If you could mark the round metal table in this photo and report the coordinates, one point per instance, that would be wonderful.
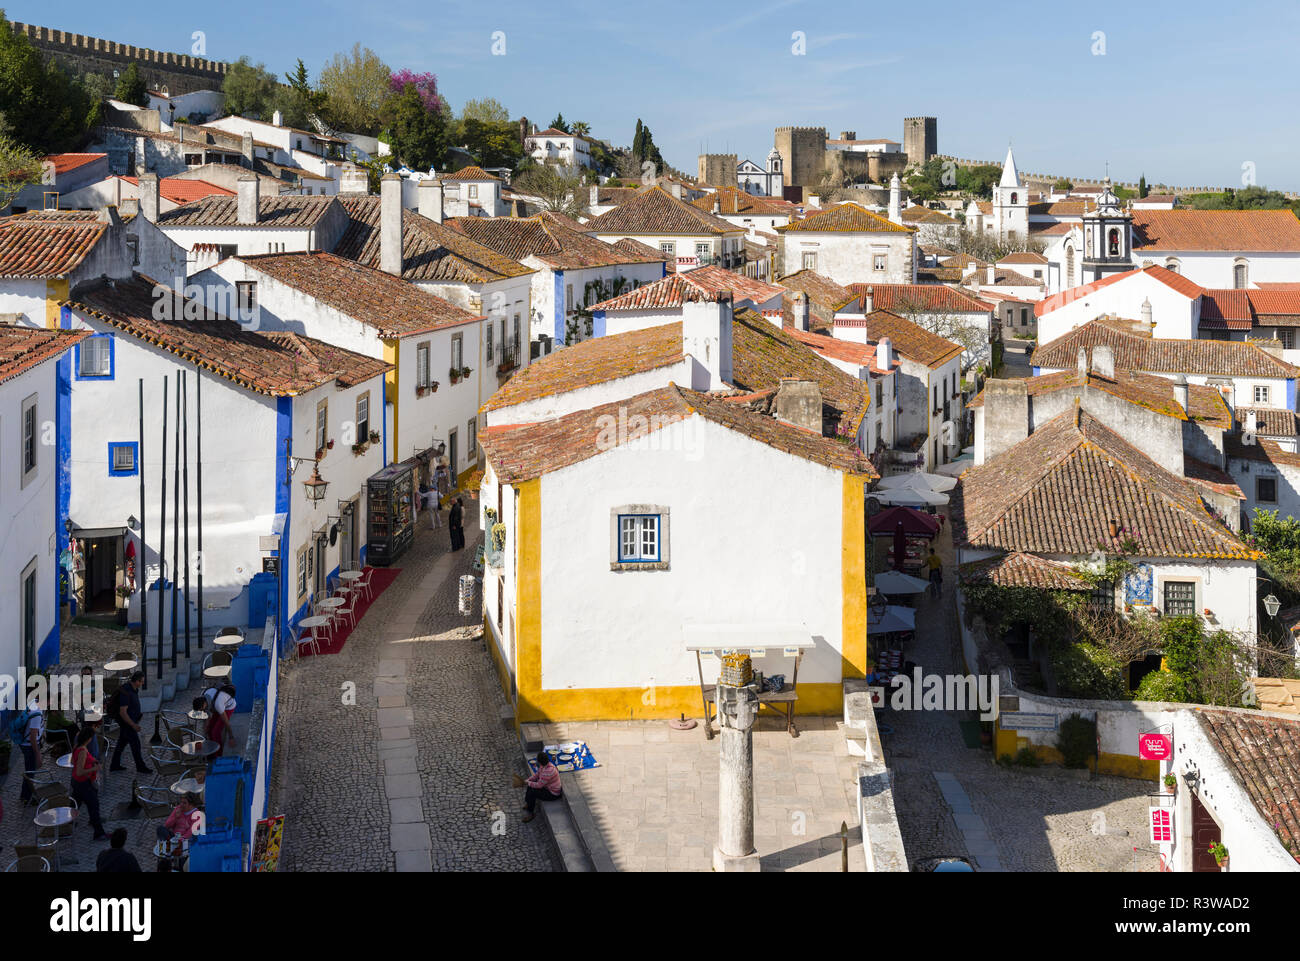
(330, 603)
(217, 671)
(118, 667)
(55, 817)
(197, 717)
(65, 760)
(224, 641)
(188, 785)
(204, 748)
(350, 575)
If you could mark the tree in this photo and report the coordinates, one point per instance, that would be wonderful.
(1063, 185)
(486, 110)
(44, 107)
(559, 124)
(300, 101)
(643, 146)
(556, 191)
(580, 127)
(417, 134)
(1142, 186)
(249, 90)
(357, 84)
(978, 181)
(492, 144)
(19, 167)
(131, 87)
(425, 83)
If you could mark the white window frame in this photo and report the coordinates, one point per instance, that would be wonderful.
(363, 436)
(809, 260)
(29, 438)
(640, 537)
(98, 347)
(423, 352)
(322, 423)
(1261, 394)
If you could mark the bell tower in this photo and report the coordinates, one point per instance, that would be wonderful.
(1107, 238)
(1010, 203)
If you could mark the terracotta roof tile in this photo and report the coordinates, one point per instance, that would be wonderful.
(655, 211)
(1270, 421)
(1231, 230)
(1023, 570)
(275, 363)
(1263, 755)
(920, 298)
(733, 202)
(1058, 491)
(223, 211)
(471, 173)
(22, 348)
(64, 162)
(522, 452)
(430, 251)
(183, 191)
(1211, 477)
(912, 341)
(847, 217)
(553, 244)
(389, 304)
(693, 286)
(924, 215)
(46, 246)
(1133, 351)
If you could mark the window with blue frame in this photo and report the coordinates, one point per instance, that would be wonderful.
(638, 538)
(94, 357)
(123, 459)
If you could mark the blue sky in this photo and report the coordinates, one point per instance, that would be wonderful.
(1186, 92)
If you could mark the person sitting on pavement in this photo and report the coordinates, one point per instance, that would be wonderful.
(542, 786)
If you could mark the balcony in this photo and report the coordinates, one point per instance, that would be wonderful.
(508, 365)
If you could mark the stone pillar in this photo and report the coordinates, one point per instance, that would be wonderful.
(737, 710)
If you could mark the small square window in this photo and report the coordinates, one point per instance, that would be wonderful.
(668, 249)
(1261, 394)
(879, 261)
(95, 356)
(122, 459)
(1180, 598)
(638, 540)
(1266, 490)
(247, 299)
(809, 260)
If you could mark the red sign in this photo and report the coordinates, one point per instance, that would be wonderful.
(1162, 825)
(1155, 747)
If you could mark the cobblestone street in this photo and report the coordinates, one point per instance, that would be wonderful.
(1037, 820)
(414, 773)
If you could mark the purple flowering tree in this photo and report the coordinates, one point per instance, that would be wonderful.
(425, 83)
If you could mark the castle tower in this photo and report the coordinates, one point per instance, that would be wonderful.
(920, 139)
(1107, 238)
(804, 152)
(1010, 203)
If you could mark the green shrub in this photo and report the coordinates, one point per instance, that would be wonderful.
(1089, 671)
(1161, 686)
(1077, 740)
(1026, 757)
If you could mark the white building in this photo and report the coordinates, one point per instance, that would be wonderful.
(121, 191)
(470, 192)
(269, 401)
(765, 181)
(34, 488)
(849, 244)
(666, 300)
(557, 147)
(686, 235)
(61, 173)
(945, 311)
(1007, 216)
(757, 215)
(609, 554)
(196, 106)
(370, 312)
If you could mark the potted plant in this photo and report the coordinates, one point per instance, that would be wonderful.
(124, 598)
(1171, 783)
(359, 447)
(374, 437)
(465, 372)
(1220, 853)
(454, 375)
(329, 444)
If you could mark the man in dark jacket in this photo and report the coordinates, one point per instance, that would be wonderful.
(130, 712)
(116, 859)
(456, 525)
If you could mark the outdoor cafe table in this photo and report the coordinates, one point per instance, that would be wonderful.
(65, 760)
(55, 817)
(350, 575)
(204, 748)
(197, 717)
(122, 665)
(228, 640)
(757, 641)
(312, 623)
(187, 785)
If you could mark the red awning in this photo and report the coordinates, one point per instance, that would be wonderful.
(915, 523)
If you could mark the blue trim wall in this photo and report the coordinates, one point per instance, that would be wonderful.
(135, 458)
(283, 435)
(1290, 393)
(49, 651)
(558, 311)
(597, 323)
(112, 359)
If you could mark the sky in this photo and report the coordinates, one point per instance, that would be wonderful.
(1188, 93)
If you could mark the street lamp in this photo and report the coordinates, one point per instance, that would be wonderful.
(315, 485)
(1272, 605)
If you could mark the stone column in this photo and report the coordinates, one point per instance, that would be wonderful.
(737, 709)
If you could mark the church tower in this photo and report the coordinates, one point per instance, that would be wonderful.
(1107, 238)
(775, 179)
(1010, 203)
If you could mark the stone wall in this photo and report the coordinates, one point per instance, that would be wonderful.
(179, 73)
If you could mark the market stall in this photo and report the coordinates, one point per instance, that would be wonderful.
(780, 646)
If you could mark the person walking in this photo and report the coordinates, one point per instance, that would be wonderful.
(456, 525)
(435, 509)
(85, 772)
(935, 565)
(28, 729)
(129, 713)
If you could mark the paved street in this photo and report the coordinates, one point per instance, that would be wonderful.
(396, 754)
(1040, 820)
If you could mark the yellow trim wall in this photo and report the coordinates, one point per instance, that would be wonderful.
(536, 703)
(392, 380)
(56, 291)
(853, 579)
(1121, 765)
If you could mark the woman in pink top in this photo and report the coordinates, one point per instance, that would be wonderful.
(542, 786)
(180, 823)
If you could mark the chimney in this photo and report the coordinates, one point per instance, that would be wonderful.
(1146, 316)
(1251, 422)
(717, 206)
(706, 336)
(1103, 361)
(895, 199)
(353, 180)
(884, 353)
(676, 190)
(1082, 366)
(799, 402)
(108, 215)
(593, 197)
(1006, 416)
(1181, 391)
(800, 311)
(277, 119)
(390, 224)
(149, 197)
(430, 199)
(868, 300)
(247, 202)
(246, 148)
(128, 206)
(992, 274)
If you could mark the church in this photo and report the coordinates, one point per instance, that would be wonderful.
(753, 179)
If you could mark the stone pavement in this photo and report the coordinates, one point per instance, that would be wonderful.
(396, 753)
(654, 798)
(1045, 819)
